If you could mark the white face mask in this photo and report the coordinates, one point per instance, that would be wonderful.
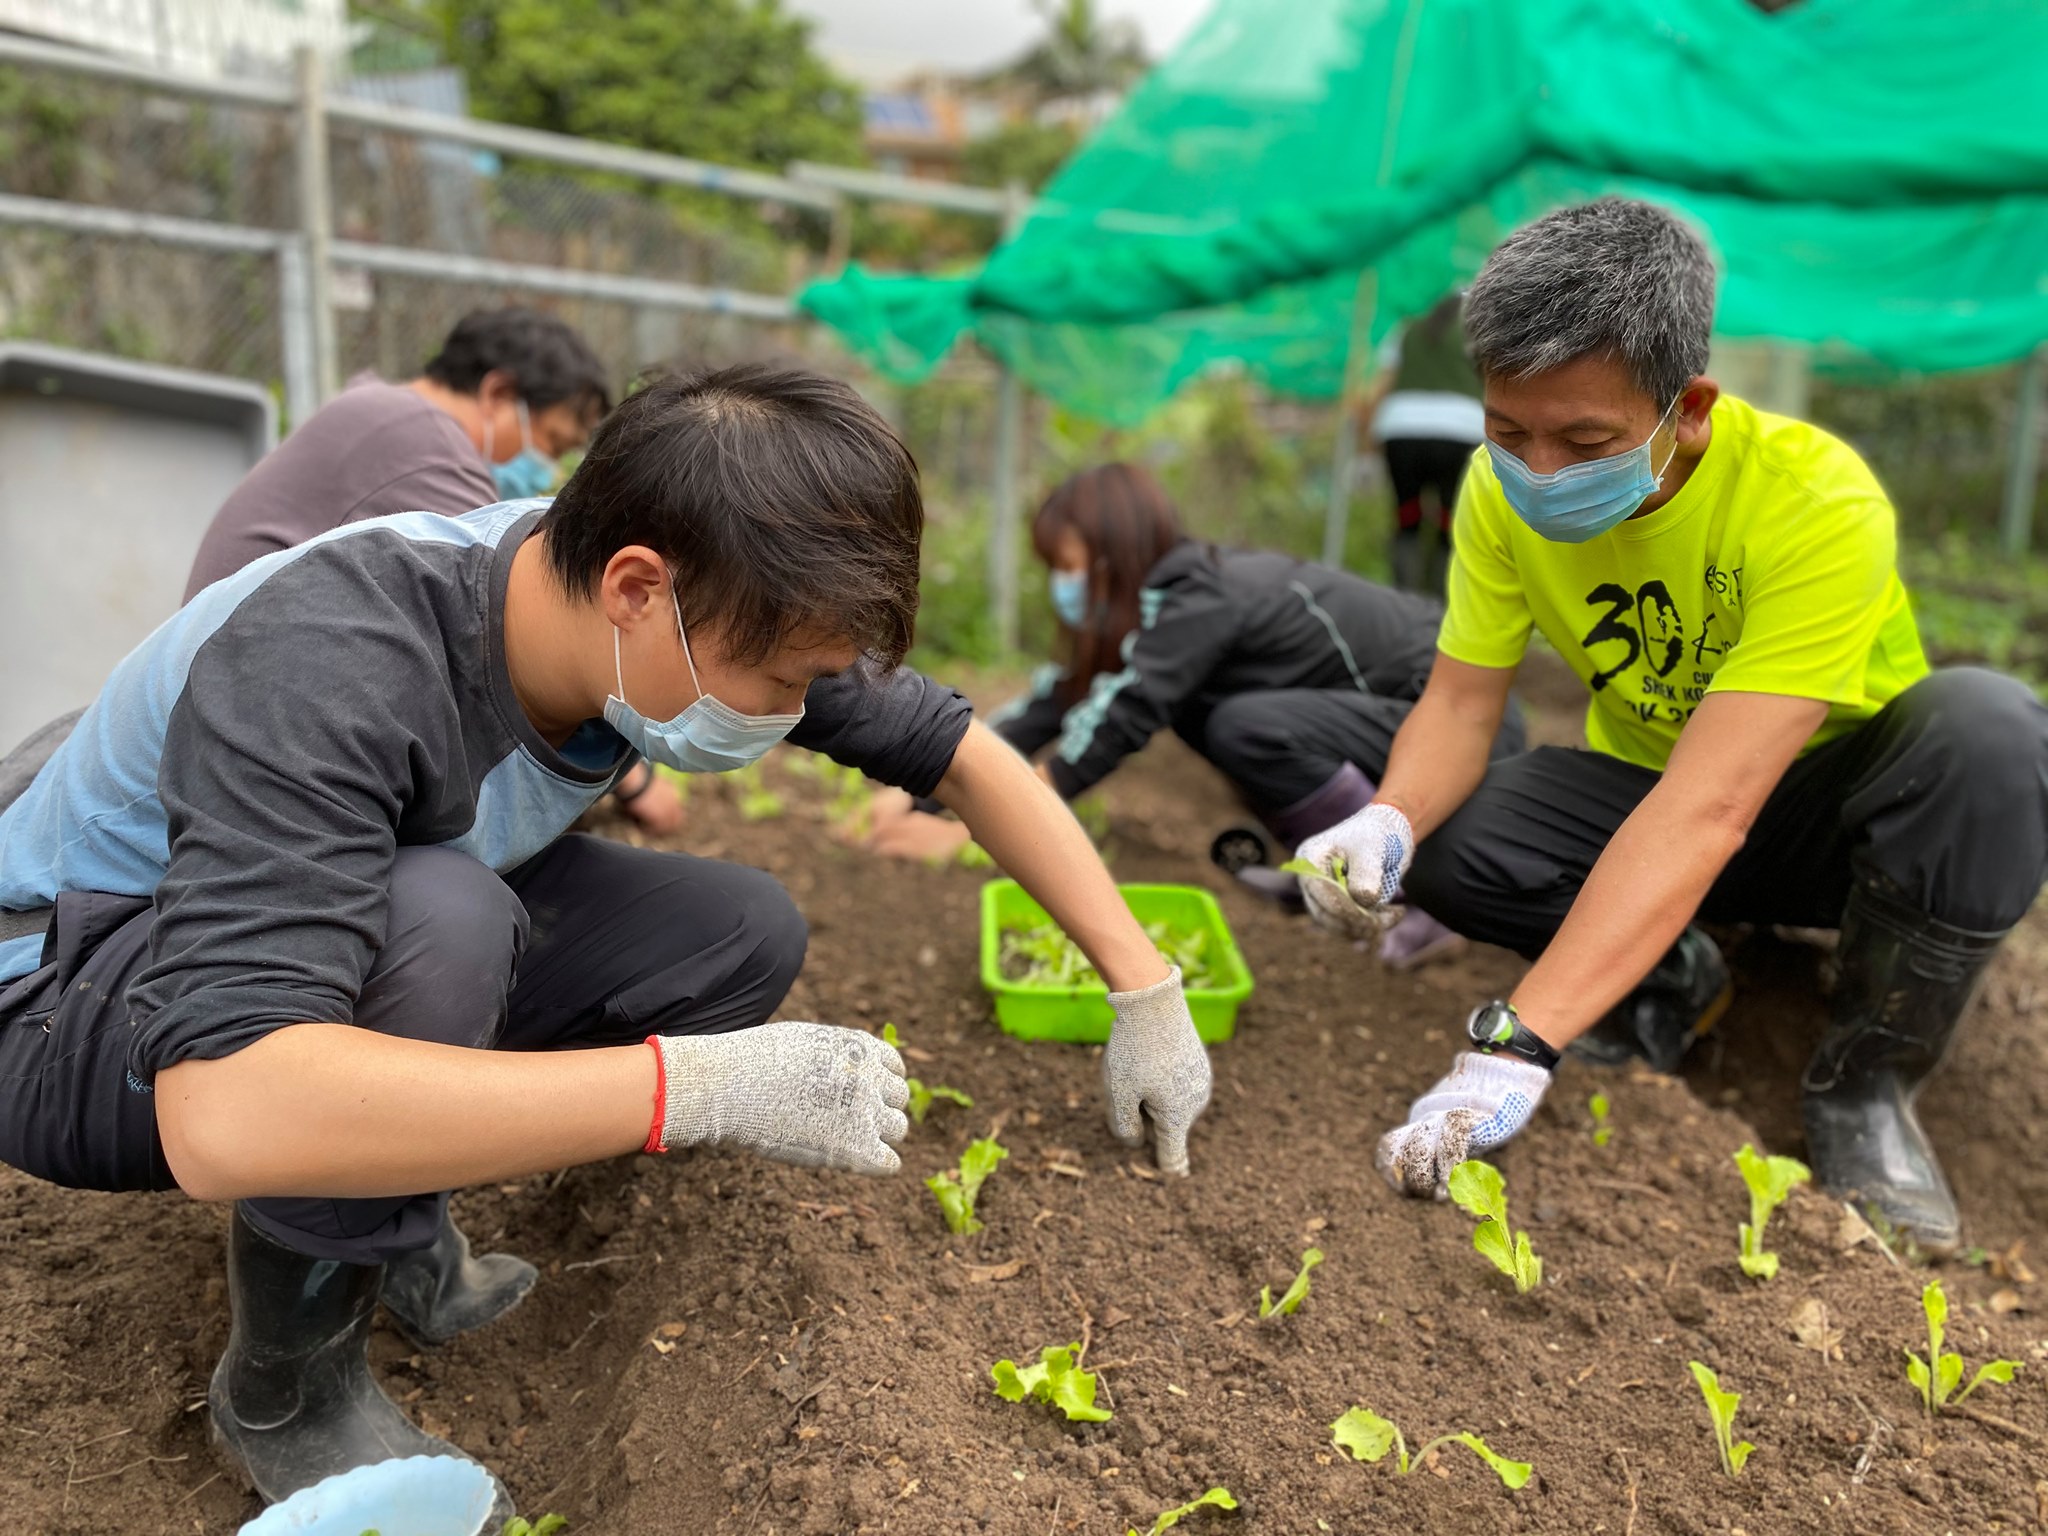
(707, 737)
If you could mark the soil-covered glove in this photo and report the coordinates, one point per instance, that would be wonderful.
(1364, 857)
(1155, 1059)
(811, 1094)
(1484, 1101)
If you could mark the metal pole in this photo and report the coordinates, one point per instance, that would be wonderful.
(296, 342)
(316, 219)
(1002, 533)
(2022, 469)
(1337, 517)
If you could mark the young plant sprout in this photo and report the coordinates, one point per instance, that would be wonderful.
(1334, 875)
(1296, 1294)
(1480, 1190)
(1057, 1379)
(1219, 1498)
(852, 805)
(1368, 1437)
(1597, 1107)
(546, 1525)
(973, 856)
(921, 1097)
(1721, 1408)
(1936, 1376)
(1770, 1180)
(757, 801)
(1043, 956)
(956, 1196)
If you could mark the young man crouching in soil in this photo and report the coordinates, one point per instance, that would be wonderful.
(290, 918)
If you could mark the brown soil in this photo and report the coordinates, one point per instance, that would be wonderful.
(831, 1371)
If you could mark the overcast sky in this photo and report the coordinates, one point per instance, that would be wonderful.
(880, 39)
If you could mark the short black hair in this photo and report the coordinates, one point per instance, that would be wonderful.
(549, 362)
(779, 498)
(1615, 276)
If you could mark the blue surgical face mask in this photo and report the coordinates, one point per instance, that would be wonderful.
(1069, 591)
(1582, 501)
(529, 472)
(707, 737)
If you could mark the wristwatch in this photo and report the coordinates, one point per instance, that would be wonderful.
(1497, 1030)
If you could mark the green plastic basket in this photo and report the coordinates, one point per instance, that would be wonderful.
(1083, 1013)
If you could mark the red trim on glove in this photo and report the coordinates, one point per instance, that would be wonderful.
(660, 1097)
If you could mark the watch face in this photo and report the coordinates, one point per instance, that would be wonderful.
(1503, 1028)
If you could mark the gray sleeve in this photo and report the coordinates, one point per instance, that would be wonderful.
(283, 800)
(898, 728)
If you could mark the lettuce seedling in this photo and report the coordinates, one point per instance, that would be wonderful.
(757, 801)
(1057, 1379)
(1936, 1376)
(546, 1525)
(1297, 1293)
(956, 1195)
(1334, 875)
(1597, 1107)
(1770, 1180)
(1721, 1408)
(1043, 956)
(1220, 1498)
(1368, 1437)
(1479, 1189)
(921, 1097)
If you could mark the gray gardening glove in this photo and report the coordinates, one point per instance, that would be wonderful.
(811, 1094)
(1479, 1104)
(1374, 848)
(1155, 1059)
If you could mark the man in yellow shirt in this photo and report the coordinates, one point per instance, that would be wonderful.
(1768, 744)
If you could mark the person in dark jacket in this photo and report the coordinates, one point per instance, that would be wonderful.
(1291, 678)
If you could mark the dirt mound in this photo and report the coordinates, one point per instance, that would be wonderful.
(723, 1346)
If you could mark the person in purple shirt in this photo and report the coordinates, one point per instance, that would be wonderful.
(510, 392)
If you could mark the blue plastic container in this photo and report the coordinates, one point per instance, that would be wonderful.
(409, 1496)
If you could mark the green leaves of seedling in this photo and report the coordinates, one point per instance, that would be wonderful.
(1938, 1375)
(757, 801)
(956, 1195)
(1478, 1188)
(1597, 1107)
(547, 1525)
(1297, 1293)
(1368, 1437)
(1043, 956)
(1770, 1180)
(1721, 1408)
(921, 1097)
(1220, 1498)
(1056, 1379)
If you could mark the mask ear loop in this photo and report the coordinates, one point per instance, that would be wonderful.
(682, 634)
(1658, 475)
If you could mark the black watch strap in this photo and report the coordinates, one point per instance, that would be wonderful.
(1497, 1030)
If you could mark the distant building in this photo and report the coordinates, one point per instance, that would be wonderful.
(922, 126)
(194, 37)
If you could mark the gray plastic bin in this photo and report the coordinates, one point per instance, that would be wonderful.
(109, 473)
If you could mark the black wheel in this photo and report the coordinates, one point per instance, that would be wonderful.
(1237, 848)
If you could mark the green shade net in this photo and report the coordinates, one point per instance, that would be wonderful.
(1873, 175)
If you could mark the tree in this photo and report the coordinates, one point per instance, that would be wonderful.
(730, 81)
(1080, 54)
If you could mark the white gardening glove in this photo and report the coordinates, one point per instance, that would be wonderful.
(1374, 848)
(1155, 1059)
(1484, 1101)
(811, 1094)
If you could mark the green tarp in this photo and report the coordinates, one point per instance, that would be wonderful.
(1873, 175)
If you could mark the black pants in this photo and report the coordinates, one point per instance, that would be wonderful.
(1945, 791)
(591, 943)
(1281, 746)
(1424, 470)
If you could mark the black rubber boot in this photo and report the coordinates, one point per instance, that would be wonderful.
(1669, 1010)
(293, 1400)
(439, 1292)
(1906, 980)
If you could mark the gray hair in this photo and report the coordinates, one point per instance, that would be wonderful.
(1615, 276)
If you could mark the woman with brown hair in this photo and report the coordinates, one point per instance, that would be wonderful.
(1290, 677)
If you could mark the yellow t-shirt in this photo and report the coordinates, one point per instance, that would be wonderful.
(1771, 571)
